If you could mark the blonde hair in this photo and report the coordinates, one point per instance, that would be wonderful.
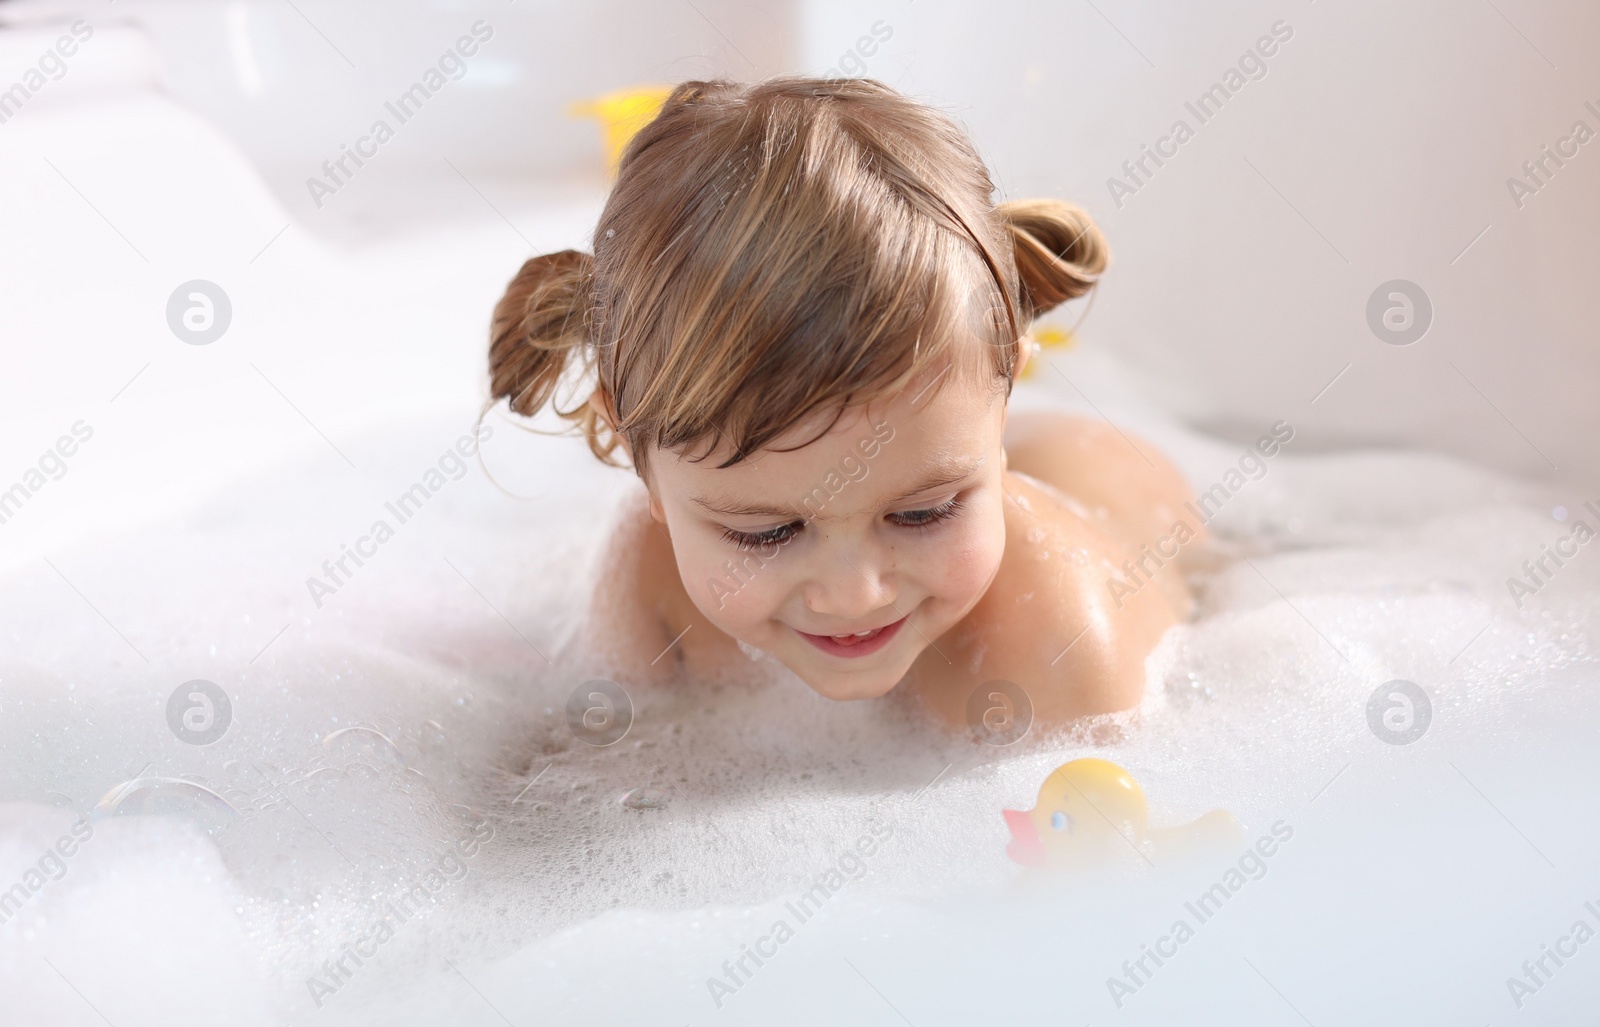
(778, 250)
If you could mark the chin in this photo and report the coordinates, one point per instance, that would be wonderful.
(829, 681)
(843, 688)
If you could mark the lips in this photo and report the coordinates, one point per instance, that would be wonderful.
(854, 645)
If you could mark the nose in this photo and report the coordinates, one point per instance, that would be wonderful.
(851, 586)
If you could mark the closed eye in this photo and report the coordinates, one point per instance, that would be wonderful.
(920, 520)
(747, 541)
(917, 520)
(929, 517)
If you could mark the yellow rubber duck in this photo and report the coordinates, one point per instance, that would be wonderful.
(621, 114)
(1091, 811)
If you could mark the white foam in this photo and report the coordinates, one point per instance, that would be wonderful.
(167, 566)
(433, 649)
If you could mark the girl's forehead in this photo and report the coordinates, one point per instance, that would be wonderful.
(929, 401)
(907, 436)
(957, 386)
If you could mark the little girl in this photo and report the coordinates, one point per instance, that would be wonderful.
(801, 325)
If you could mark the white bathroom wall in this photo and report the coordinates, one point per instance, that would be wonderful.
(293, 82)
(1377, 146)
(294, 85)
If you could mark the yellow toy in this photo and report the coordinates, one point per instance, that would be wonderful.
(621, 114)
(1091, 812)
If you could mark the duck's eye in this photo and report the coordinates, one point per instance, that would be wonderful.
(1060, 821)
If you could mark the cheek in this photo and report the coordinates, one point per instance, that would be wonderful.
(961, 566)
(733, 590)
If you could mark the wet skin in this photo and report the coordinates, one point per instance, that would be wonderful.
(987, 546)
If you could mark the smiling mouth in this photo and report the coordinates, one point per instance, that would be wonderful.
(854, 645)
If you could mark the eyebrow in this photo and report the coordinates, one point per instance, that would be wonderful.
(943, 473)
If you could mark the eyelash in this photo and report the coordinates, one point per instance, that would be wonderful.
(748, 542)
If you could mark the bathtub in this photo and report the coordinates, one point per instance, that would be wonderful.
(399, 824)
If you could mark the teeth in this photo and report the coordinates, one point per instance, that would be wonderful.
(864, 634)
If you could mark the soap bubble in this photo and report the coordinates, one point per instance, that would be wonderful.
(364, 745)
(168, 796)
(644, 798)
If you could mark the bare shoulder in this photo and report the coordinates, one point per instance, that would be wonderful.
(1122, 483)
(628, 610)
(641, 615)
(1050, 622)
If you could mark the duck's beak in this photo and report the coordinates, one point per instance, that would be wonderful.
(1025, 847)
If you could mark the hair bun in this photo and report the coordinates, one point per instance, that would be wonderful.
(1060, 253)
(540, 320)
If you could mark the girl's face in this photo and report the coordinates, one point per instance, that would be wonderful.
(847, 557)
